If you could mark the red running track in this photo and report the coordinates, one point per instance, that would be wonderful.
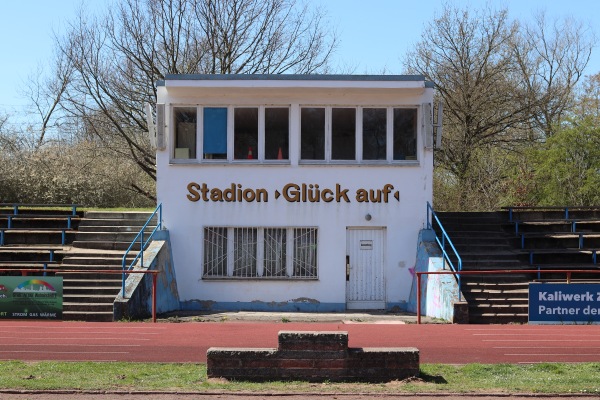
(188, 342)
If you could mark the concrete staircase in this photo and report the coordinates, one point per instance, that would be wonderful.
(99, 245)
(484, 244)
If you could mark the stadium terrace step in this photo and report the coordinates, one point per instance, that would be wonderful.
(43, 222)
(70, 314)
(36, 236)
(71, 296)
(490, 242)
(108, 245)
(99, 245)
(41, 238)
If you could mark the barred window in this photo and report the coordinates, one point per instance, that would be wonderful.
(264, 253)
(275, 252)
(215, 251)
(305, 252)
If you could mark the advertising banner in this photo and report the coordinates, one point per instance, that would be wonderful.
(564, 303)
(31, 297)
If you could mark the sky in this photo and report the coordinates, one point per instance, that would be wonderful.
(374, 34)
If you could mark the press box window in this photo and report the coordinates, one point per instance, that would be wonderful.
(245, 134)
(277, 133)
(185, 132)
(215, 133)
(405, 134)
(343, 134)
(374, 134)
(312, 133)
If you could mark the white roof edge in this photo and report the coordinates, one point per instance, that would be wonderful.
(295, 81)
(296, 84)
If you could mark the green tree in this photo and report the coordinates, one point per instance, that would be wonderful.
(567, 166)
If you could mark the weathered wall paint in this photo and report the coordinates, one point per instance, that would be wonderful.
(438, 292)
(138, 287)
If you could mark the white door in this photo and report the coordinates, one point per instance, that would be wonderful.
(365, 280)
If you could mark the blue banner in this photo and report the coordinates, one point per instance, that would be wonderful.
(564, 303)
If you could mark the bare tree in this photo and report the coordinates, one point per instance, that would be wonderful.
(45, 93)
(117, 59)
(468, 56)
(552, 56)
(501, 83)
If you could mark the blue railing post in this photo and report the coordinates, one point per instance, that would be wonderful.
(159, 225)
(142, 248)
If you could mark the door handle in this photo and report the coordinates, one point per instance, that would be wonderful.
(347, 268)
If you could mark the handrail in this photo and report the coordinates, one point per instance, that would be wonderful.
(442, 243)
(143, 244)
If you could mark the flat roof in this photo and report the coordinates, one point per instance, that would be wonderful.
(250, 80)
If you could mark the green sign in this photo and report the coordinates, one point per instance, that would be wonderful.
(31, 297)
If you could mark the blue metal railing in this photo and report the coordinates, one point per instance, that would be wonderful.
(143, 244)
(442, 241)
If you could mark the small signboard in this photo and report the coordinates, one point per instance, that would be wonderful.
(31, 297)
(366, 245)
(564, 303)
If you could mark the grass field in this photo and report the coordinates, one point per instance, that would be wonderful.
(435, 378)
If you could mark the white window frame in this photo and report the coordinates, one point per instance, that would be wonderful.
(261, 159)
(359, 134)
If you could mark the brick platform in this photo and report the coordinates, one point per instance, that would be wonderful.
(313, 356)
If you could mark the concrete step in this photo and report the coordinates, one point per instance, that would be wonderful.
(558, 241)
(106, 236)
(106, 245)
(113, 222)
(41, 209)
(489, 255)
(39, 223)
(123, 215)
(96, 297)
(556, 256)
(96, 316)
(481, 248)
(555, 215)
(482, 317)
(91, 261)
(496, 287)
(38, 237)
(88, 306)
(81, 283)
(117, 228)
(474, 264)
(25, 255)
(88, 275)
